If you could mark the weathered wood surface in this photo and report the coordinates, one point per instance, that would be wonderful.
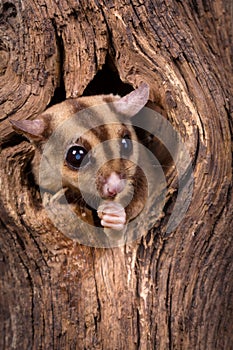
(163, 292)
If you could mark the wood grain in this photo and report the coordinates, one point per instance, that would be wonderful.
(161, 291)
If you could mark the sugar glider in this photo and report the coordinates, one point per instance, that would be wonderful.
(115, 179)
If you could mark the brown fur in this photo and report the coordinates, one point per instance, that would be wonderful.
(40, 130)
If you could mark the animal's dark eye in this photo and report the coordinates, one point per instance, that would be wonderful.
(75, 157)
(126, 146)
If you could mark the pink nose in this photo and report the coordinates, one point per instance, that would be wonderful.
(112, 192)
(113, 185)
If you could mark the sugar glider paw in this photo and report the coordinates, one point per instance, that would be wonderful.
(112, 216)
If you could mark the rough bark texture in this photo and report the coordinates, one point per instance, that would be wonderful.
(160, 292)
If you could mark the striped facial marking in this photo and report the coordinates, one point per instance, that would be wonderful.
(100, 160)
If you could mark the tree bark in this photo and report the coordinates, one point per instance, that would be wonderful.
(161, 291)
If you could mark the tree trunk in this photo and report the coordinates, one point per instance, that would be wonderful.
(164, 290)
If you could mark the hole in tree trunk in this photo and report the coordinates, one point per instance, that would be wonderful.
(107, 81)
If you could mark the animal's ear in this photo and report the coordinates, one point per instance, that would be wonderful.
(34, 130)
(132, 103)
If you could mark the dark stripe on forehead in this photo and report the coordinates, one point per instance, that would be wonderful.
(102, 132)
(95, 136)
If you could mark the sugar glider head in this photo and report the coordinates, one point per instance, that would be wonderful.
(88, 144)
